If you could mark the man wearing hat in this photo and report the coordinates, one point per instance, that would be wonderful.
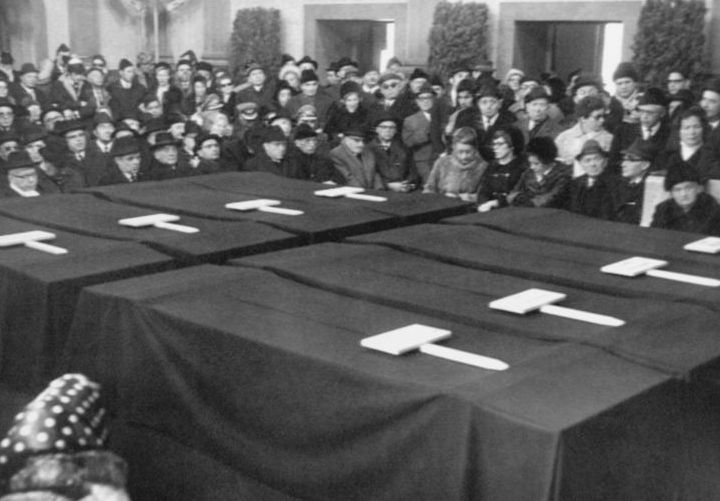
(260, 90)
(21, 175)
(103, 128)
(124, 164)
(591, 193)
(166, 162)
(421, 132)
(355, 162)
(89, 163)
(591, 117)
(622, 104)
(689, 209)
(127, 93)
(536, 120)
(7, 72)
(309, 94)
(394, 100)
(393, 161)
(651, 127)
(308, 163)
(53, 176)
(72, 89)
(628, 191)
(485, 117)
(273, 157)
(26, 86)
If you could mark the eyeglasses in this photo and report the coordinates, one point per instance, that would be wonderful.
(389, 85)
(6, 114)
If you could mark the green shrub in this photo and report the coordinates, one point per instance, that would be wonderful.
(255, 38)
(458, 36)
(671, 34)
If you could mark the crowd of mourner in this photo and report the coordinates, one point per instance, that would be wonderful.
(526, 140)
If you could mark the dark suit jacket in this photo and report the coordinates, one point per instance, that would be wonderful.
(112, 175)
(394, 164)
(595, 201)
(91, 168)
(19, 93)
(626, 134)
(357, 171)
(63, 93)
(547, 128)
(124, 101)
(471, 117)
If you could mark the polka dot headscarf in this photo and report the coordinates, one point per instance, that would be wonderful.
(66, 417)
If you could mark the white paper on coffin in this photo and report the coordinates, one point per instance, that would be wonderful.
(543, 301)
(34, 240)
(164, 221)
(249, 205)
(404, 339)
(420, 337)
(341, 191)
(634, 266)
(709, 245)
(367, 198)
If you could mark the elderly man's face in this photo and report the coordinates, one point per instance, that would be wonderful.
(256, 77)
(593, 164)
(29, 79)
(275, 150)
(167, 154)
(386, 130)
(391, 89)
(24, 179)
(209, 150)
(104, 131)
(650, 115)
(128, 164)
(8, 147)
(633, 166)
(355, 144)
(76, 141)
(7, 116)
(33, 149)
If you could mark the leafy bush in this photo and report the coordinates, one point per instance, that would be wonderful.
(458, 36)
(255, 38)
(671, 34)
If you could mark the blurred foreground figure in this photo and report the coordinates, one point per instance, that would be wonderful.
(55, 449)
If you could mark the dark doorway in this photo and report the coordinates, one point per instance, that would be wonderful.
(363, 41)
(559, 47)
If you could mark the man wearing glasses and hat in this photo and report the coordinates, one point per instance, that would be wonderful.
(355, 162)
(166, 162)
(394, 101)
(628, 191)
(125, 164)
(21, 174)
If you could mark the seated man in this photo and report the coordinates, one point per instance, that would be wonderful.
(22, 178)
(53, 177)
(166, 163)
(628, 191)
(689, 208)
(125, 165)
(393, 161)
(355, 162)
(273, 156)
(591, 193)
(309, 164)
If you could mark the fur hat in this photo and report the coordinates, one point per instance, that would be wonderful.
(681, 172)
(308, 76)
(542, 147)
(626, 70)
(273, 134)
(350, 87)
(304, 131)
(124, 63)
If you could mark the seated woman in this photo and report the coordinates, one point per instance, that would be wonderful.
(458, 174)
(504, 171)
(690, 146)
(546, 182)
(689, 208)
